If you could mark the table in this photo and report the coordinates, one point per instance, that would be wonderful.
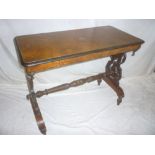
(40, 52)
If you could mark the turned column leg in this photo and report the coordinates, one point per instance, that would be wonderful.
(34, 104)
(114, 73)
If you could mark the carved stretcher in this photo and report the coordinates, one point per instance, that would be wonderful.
(40, 52)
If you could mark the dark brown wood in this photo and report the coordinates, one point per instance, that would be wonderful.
(34, 104)
(114, 74)
(69, 85)
(40, 52)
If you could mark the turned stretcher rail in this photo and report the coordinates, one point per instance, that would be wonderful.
(75, 83)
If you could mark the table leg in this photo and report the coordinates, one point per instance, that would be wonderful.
(34, 104)
(114, 74)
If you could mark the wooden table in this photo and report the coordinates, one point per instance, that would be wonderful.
(40, 52)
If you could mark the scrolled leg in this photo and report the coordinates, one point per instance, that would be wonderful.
(114, 74)
(34, 104)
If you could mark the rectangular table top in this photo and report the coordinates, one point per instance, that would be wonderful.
(57, 46)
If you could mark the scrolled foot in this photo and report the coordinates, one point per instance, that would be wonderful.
(42, 127)
(38, 116)
(120, 95)
(119, 100)
(43, 131)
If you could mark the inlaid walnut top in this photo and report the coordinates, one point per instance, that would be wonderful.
(55, 46)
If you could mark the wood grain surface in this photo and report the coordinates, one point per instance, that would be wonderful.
(39, 52)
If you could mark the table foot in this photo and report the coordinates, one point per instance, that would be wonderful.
(34, 104)
(119, 100)
(37, 114)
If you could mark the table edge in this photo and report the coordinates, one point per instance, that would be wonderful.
(33, 63)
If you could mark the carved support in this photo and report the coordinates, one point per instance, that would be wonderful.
(34, 104)
(75, 83)
(114, 74)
